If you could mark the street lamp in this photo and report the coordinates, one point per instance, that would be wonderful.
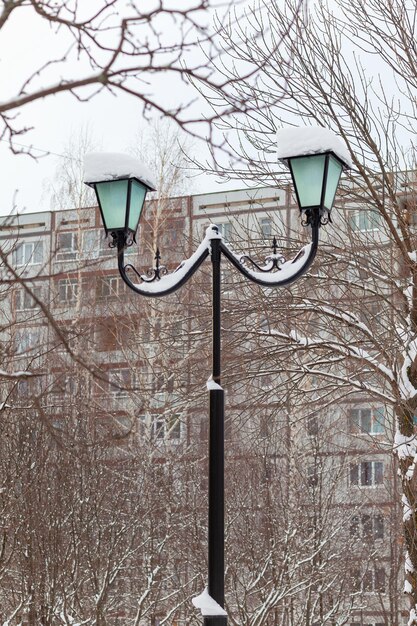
(315, 174)
(121, 185)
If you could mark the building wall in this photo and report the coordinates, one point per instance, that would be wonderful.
(147, 364)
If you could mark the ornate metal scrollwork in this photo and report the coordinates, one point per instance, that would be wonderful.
(153, 273)
(271, 262)
(128, 239)
(309, 216)
(159, 282)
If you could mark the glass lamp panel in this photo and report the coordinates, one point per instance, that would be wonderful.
(137, 198)
(308, 174)
(333, 175)
(113, 197)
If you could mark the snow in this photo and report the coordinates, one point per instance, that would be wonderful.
(410, 472)
(19, 374)
(408, 566)
(404, 447)
(169, 281)
(207, 605)
(349, 350)
(407, 511)
(413, 617)
(286, 271)
(407, 389)
(349, 318)
(211, 384)
(102, 166)
(166, 283)
(306, 140)
(407, 587)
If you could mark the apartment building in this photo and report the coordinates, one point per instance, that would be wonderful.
(135, 372)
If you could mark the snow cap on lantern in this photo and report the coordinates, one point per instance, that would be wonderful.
(121, 184)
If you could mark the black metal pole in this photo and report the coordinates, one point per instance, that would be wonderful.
(216, 455)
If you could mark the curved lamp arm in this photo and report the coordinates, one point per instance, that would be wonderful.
(161, 283)
(287, 271)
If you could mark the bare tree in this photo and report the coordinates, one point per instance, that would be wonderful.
(116, 47)
(67, 189)
(166, 151)
(352, 324)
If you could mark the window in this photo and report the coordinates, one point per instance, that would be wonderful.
(264, 426)
(372, 581)
(104, 248)
(174, 427)
(145, 330)
(110, 287)
(89, 243)
(225, 229)
(67, 248)
(312, 476)
(369, 420)
(158, 428)
(24, 301)
(65, 385)
(367, 473)
(28, 253)
(143, 425)
(176, 330)
(23, 388)
(166, 429)
(26, 340)
(312, 425)
(364, 219)
(266, 227)
(367, 526)
(67, 289)
(122, 378)
(179, 338)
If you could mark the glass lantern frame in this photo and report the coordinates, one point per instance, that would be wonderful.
(125, 228)
(328, 155)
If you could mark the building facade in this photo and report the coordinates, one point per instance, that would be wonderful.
(313, 500)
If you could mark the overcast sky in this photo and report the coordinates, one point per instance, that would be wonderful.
(24, 45)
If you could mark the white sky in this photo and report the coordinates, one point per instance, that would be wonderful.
(114, 121)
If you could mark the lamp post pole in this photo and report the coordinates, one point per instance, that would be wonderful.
(121, 185)
(216, 451)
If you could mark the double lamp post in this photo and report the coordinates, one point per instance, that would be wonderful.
(316, 159)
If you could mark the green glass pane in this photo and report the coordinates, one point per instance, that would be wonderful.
(333, 175)
(113, 197)
(308, 173)
(137, 198)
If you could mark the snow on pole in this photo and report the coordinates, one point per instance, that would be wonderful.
(207, 605)
(212, 385)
